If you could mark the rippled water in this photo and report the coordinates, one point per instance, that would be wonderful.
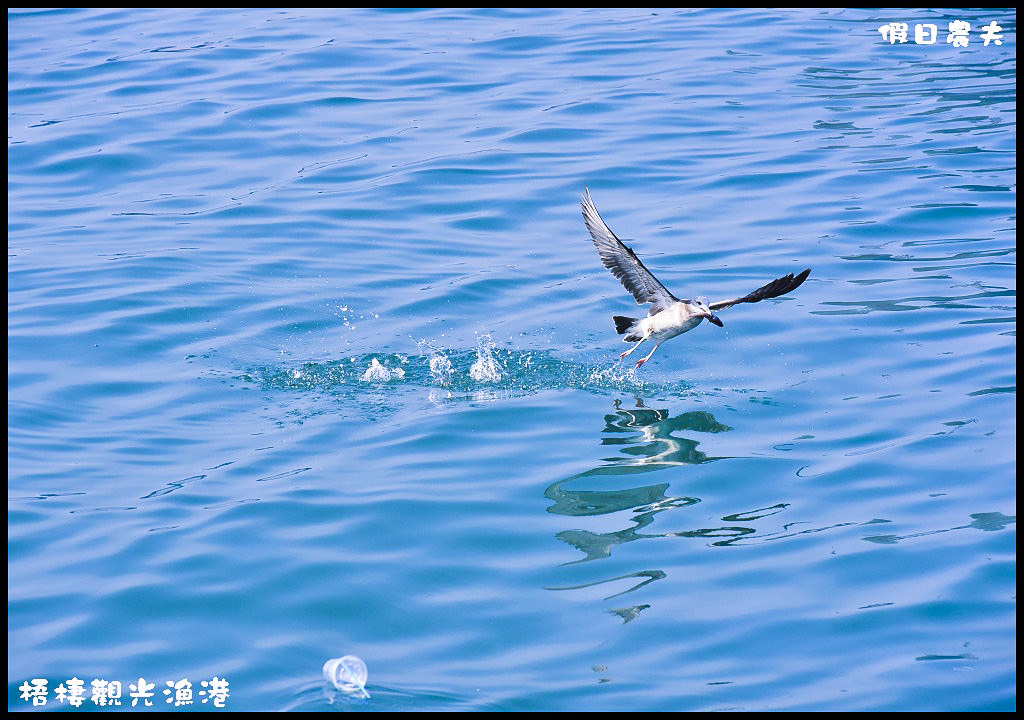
(309, 354)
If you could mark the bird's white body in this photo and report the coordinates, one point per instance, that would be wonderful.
(674, 320)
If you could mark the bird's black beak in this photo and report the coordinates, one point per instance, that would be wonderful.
(714, 318)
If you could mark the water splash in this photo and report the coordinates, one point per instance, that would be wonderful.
(484, 373)
(463, 374)
(378, 373)
(441, 367)
(486, 368)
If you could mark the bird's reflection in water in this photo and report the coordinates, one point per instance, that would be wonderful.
(647, 441)
(644, 436)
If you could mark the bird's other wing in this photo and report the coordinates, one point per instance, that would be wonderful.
(623, 262)
(775, 288)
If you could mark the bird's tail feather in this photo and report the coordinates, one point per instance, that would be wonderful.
(623, 325)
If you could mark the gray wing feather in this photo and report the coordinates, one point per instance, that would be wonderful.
(775, 288)
(623, 262)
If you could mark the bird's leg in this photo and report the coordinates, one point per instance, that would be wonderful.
(623, 355)
(639, 363)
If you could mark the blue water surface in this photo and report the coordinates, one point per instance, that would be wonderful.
(310, 354)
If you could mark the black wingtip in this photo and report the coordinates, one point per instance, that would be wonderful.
(798, 280)
(782, 286)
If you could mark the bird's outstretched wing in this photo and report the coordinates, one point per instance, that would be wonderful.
(775, 288)
(624, 263)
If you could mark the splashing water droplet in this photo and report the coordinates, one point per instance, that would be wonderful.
(485, 368)
(441, 367)
(378, 373)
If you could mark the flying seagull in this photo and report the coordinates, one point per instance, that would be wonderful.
(669, 316)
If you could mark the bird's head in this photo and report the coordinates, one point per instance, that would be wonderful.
(704, 311)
